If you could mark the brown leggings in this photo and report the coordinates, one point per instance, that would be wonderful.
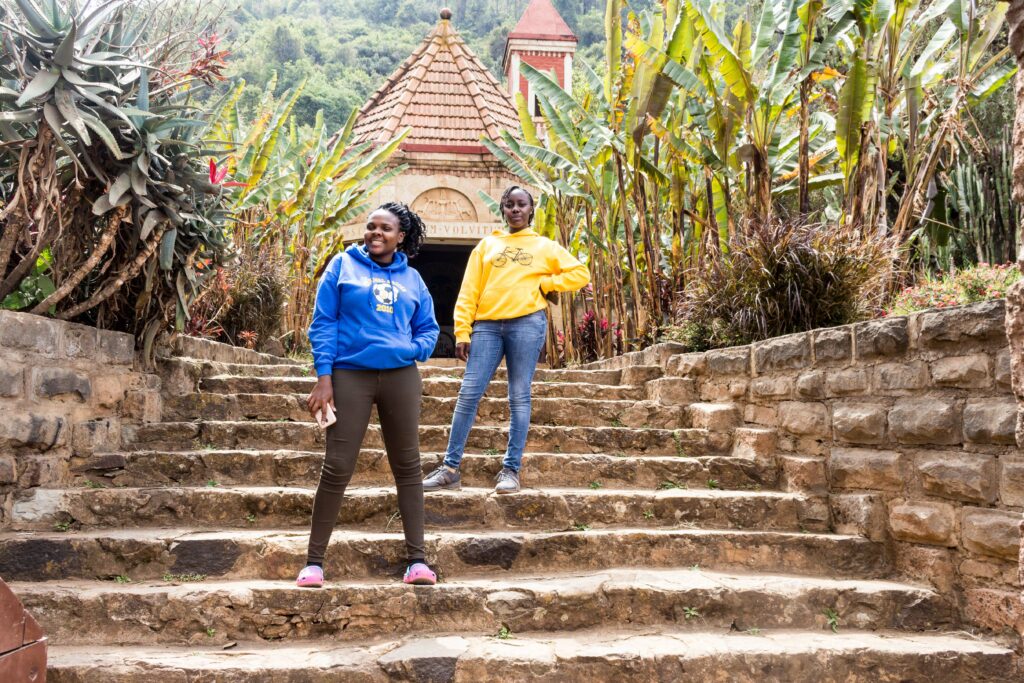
(397, 395)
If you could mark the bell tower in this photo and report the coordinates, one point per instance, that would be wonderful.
(543, 40)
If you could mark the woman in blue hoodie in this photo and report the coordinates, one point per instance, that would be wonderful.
(374, 319)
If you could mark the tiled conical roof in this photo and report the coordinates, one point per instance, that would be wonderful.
(541, 21)
(444, 94)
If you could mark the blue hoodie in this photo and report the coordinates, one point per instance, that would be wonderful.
(371, 317)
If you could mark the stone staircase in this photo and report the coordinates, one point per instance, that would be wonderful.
(651, 543)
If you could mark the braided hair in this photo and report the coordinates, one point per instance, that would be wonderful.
(508, 193)
(410, 223)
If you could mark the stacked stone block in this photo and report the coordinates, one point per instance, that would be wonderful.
(905, 426)
(65, 391)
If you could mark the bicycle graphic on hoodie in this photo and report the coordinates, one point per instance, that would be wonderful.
(516, 255)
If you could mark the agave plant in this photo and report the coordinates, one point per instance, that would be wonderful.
(101, 162)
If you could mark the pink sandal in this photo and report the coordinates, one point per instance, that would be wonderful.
(419, 574)
(310, 577)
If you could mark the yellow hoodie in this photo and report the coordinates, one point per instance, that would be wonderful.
(508, 275)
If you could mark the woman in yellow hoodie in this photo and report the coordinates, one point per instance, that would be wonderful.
(501, 312)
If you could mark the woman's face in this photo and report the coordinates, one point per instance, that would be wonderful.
(517, 209)
(383, 235)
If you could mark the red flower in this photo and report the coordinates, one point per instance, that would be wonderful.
(217, 176)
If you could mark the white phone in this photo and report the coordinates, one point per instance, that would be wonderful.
(327, 420)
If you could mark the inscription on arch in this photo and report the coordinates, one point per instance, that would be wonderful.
(444, 204)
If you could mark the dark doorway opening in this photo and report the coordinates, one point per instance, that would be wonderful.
(442, 267)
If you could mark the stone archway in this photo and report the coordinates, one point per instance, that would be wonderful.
(442, 265)
(443, 204)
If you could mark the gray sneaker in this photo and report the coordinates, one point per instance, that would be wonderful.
(443, 478)
(508, 481)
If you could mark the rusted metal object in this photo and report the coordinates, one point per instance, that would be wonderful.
(22, 643)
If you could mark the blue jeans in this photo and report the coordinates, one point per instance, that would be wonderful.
(519, 341)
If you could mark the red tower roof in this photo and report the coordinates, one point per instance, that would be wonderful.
(541, 21)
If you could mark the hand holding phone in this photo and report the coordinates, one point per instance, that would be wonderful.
(326, 417)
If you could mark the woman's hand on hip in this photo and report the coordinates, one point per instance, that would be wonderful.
(322, 395)
(551, 296)
(462, 351)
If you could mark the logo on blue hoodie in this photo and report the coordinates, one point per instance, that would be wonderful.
(370, 316)
(385, 293)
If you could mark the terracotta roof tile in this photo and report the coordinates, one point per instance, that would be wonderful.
(444, 94)
(542, 21)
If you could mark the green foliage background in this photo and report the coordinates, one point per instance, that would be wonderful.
(344, 49)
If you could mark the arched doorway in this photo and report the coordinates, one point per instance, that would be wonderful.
(452, 224)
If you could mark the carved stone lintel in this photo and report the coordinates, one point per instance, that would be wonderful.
(445, 204)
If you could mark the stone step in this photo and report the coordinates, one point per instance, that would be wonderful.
(447, 387)
(106, 613)
(302, 468)
(298, 380)
(257, 435)
(207, 368)
(628, 656)
(198, 348)
(433, 385)
(575, 376)
(432, 368)
(146, 554)
(377, 508)
(187, 375)
(441, 387)
(434, 410)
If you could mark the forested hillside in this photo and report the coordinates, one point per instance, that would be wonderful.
(344, 49)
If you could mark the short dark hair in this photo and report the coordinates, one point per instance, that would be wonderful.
(512, 188)
(410, 223)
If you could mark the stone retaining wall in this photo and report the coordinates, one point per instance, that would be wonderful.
(65, 391)
(904, 430)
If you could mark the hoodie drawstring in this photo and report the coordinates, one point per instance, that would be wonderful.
(394, 299)
(369, 292)
(391, 288)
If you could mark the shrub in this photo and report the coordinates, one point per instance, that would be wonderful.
(589, 331)
(257, 300)
(778, 278)
(967, 286)
(246, 304)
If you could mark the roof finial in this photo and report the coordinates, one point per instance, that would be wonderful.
(446, 14)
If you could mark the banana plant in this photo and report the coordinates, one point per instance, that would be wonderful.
(962, 73)
(291, 192)
(695, 130)
(915, 66)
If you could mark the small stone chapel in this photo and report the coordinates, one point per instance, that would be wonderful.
(450, 101)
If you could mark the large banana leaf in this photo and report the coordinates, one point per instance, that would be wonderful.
(613, 47)
(731, 67)
(996, 79)
(855, 103)
(787, 52)
(269, 143)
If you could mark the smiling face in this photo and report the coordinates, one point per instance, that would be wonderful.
(383, 235)
(518, 210)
